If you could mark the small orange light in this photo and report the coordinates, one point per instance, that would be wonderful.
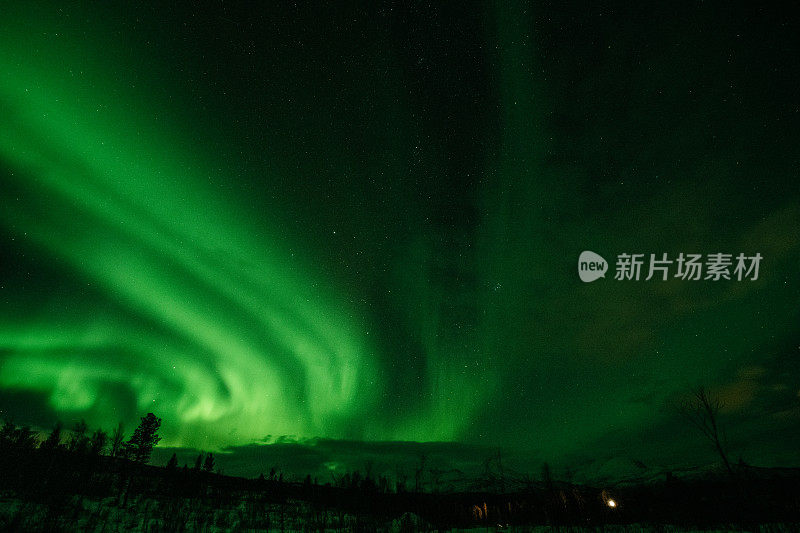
(611, 503)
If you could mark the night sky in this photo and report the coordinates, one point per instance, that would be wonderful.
(354, 228)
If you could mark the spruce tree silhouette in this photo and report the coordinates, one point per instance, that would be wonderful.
(97, 442)
(144, 438)
(78, 439)
(53, 440)
(172, 464)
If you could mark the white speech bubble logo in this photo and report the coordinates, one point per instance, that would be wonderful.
(591, 266)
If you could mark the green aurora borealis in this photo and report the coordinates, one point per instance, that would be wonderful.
(363, 225)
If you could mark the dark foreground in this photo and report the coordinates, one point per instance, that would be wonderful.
(57, 490)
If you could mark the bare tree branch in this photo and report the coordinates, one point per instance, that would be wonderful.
(702, 410)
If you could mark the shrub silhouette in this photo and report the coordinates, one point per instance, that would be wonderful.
(208, 465)
(117, 440)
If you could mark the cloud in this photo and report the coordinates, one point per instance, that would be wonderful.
(326, 459)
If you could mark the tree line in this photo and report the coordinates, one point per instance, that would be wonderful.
(137, 448)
